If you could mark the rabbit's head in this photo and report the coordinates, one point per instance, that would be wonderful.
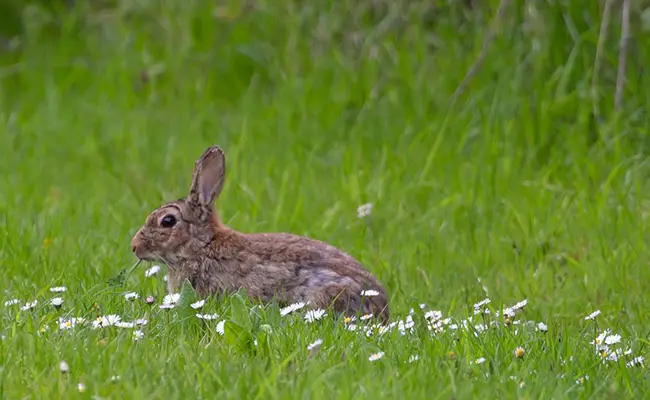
(178, 230)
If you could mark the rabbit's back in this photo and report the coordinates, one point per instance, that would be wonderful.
(315, 271)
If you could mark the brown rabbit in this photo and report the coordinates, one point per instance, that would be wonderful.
(189, 237)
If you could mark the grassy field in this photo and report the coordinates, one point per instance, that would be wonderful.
(517, 191)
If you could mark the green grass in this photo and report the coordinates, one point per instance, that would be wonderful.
(516, 191)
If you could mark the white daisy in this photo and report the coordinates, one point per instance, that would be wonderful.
(600, 340)
(124, 324)
(29, 306)
(63, 367)
(137, 335)
(207, 317)
(364, 210)
(520, 305)
(482, 303)
(314, 315)
(637, 361)
(221, 327)
(542, 327)
(480, 307)
(291, 308)
(70, 323)
(433, 315)
(58, 289)
(140, 321)
(593, 315)
(56, 302)
(170, 300)
(152, 271)
(519, 352)
(198, 304)
(613, 339)
(131, 296)
(315, 345)
(11, 302)
(365, 317)
(406, 325)
(369, 293)
(105, 321)
(376, 356)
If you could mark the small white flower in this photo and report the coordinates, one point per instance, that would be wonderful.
(613, 339)
(140, 321)
(152, 271)
(207, 317)
(105, 321)
(582, 379)
(291, 308)
(221, 327)
(56, 302)
(81, 387)
(414, 358)
(166, 306)
(58, 289)
(70, 323)
(376, 356)
(29, 306)
(170, 300)
(365, 317)
(63, 367)
(314, 315)
(593, 315)
(131, 296)
(433, 315)
(519, 352)
(137, 335)
(115, 378)
(198, 304)
(364, 210)
(479, 308)
(406, 325)
(166, 278)
(369, 293)
(600, 340)
(483, 302)
(637, 361)
(520, 305)
(612, 356)
(542, 327)
(315, 345)
(11, 302)
(124, 324)
(479, 360)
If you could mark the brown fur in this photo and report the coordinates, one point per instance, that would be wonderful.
(281, 266)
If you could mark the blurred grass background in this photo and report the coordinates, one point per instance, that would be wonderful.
(321, 107)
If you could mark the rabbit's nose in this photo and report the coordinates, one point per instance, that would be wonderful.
(135, 242)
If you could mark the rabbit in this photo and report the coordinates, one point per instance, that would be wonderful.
(188, 236)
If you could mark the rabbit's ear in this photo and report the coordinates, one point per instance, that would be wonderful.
(207, 180)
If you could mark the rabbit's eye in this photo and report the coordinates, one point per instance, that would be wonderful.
(168, 221)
